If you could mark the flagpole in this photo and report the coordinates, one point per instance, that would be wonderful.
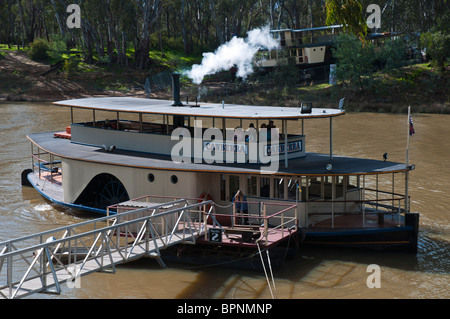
(407, 135)
(407, 160)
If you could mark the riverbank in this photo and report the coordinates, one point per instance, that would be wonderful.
(420, 86)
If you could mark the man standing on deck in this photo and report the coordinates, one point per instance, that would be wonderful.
(241, 206)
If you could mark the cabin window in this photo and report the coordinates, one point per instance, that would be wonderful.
(278, 188)
(233, 186)
(174, 179)
(151, 177)
(223, 183)
(265, 187)
(251, 186)
(293, 189)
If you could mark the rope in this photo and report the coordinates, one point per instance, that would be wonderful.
(215, 204)
(265, 272)
(271, 274)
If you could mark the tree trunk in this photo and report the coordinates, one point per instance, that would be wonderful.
(150, 15)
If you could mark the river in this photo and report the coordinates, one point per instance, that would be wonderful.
(312, 274)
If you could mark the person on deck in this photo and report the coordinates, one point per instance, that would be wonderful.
(241, 206)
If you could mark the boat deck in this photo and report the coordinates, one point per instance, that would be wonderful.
(274, 237)
(311, 164)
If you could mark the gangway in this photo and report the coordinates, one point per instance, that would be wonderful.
(39, 262)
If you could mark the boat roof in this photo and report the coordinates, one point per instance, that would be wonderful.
(310, 29)
(217, 110)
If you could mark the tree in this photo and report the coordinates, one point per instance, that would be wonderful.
(147, 14)
(349, 13)
(355, 60)
(438, 47)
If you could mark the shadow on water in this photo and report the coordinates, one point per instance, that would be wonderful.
(312, 266)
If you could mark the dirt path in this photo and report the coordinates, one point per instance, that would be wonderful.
(22, 79)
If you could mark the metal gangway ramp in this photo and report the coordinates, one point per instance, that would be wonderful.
(38, 262)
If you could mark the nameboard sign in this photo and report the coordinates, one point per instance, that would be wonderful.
(225, 147)
(292, 147)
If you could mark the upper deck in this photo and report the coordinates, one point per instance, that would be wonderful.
(159, 135)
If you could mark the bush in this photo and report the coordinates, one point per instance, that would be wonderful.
(39, 50)
(438, 47)
(355, 60)
(57, 48)
(71, 66)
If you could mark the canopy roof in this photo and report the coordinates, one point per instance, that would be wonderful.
(164, 107)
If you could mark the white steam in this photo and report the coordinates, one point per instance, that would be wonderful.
(237, 52)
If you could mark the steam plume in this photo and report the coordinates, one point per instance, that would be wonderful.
(237, 52)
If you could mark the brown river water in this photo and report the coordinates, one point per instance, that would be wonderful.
(313, 273)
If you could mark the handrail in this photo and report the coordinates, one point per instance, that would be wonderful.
(392, 209)
(98, 243)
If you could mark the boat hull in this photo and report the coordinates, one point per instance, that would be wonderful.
(402, 238)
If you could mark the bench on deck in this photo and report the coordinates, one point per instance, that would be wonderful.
(247, 232)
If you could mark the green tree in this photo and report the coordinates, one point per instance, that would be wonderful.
(437, 45)
(349, 13)
(355, 61)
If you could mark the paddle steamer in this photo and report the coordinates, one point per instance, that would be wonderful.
(126, 151)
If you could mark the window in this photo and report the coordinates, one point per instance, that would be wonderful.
(251, 186)
(233, 186)
(174, 179)
(223, 182)
(278, 188)
(151, 177)
(265, 187)
(293, 189)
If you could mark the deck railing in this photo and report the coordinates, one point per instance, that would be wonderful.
(392, 205)
(49, 167)
(271, 217)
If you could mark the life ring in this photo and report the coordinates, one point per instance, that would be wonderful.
(205, 197)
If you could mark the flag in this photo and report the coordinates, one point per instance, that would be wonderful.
(411, 126)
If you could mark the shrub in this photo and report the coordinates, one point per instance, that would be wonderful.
(438, 47)
(355, 61)
(39, 50)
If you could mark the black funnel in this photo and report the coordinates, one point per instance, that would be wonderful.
(176, 89)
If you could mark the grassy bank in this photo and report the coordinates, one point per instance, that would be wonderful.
(418, 85)
(421, 86)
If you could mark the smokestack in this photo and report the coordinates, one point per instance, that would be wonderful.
(176, 89)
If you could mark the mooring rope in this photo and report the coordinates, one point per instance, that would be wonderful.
(265, 271)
